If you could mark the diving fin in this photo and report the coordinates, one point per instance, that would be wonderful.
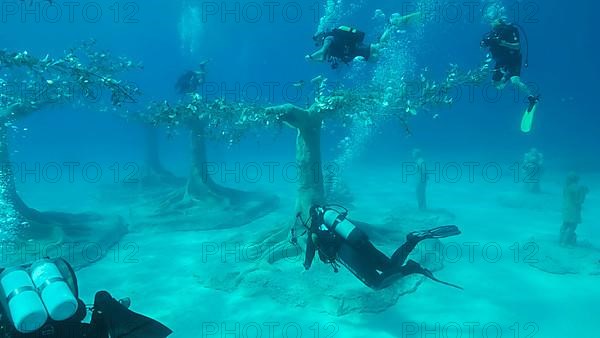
(439, 232)
(114, 317)
(529, 114)
(415, 267)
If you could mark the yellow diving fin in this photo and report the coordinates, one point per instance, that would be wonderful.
(529, 114)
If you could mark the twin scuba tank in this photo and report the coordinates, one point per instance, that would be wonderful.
(32, 294)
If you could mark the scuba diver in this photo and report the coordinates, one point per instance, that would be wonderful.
(344, 43)
(337, 239)
(504, 44)
(42, 300)
(190, 81)
(341, 44)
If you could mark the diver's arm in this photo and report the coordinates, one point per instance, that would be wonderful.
(321, 54)
(311, 249)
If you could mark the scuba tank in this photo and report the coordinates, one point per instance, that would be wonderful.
(337, 222)
(42, 299)
(22, 304)
(36, 293)
(332, 227)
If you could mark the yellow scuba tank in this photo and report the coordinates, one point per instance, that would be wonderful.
(347, 29)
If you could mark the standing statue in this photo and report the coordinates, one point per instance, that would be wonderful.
(573, 196)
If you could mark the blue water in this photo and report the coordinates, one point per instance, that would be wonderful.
(562, 65)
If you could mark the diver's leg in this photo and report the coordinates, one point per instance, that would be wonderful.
(413, 238)
(360, 265)
(321, 54)
(522, 87)
(379, 260)
(398, 21)
(401, 254)
(499, 76)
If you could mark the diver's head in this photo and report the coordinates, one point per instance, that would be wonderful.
(315, 211)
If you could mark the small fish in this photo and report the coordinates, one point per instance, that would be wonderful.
(298, 84)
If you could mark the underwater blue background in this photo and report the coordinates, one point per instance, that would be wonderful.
(562, 63)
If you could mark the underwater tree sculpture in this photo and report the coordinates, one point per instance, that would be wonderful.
(53, 82)
(154, 172)
(273, 273)
(369, 104)
(202, 195)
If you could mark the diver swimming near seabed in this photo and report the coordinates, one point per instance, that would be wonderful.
(504, 44)
(337, 239)
(42, 300)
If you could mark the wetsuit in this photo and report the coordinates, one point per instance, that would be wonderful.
(347, 44)
(189, 82)
(360, 256)
(508, 60)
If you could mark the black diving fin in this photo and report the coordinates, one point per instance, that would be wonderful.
(415, 267)
(119, 321)
(439, 232)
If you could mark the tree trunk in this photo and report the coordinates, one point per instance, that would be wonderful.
(204, 204)
(311, 190)
(200, 186)
(21, 224)
(152, 155)
(155, 173)
(308, 157)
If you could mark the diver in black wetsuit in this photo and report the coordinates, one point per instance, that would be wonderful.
(340, 44)
(337, 239)
(504, 44)
(344, 44)
(190, 81)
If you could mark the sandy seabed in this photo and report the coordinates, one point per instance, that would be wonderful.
(506, 234)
